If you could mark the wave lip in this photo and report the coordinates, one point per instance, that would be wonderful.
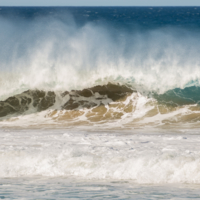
(37, 100)
(28, 100)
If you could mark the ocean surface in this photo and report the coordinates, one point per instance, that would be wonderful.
(100, 102)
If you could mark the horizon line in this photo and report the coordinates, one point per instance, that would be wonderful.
(100, 6)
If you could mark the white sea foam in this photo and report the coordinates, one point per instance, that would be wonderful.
(142, 158)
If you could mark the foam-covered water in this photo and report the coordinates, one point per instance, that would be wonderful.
(104, 98)
(81, 164)
(153, 157)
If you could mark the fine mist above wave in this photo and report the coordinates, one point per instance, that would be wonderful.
(48, 54)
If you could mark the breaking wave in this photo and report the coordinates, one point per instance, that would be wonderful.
(112, 105)
(91, 74)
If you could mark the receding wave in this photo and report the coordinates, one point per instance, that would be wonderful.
(113, 105)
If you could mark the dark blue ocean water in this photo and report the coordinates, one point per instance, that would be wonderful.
(118, 17)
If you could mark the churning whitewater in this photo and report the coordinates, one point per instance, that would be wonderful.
(141, 158)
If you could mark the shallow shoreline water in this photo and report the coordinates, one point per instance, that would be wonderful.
(62, 188)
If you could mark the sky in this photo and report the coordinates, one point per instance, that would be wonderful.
(99, 2)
